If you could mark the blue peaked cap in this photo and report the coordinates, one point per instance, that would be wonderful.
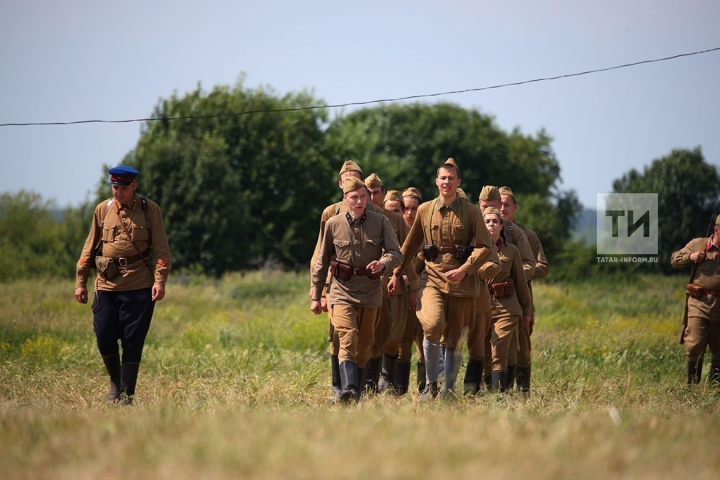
(122, 175)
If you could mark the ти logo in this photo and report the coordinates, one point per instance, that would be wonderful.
(627, 224)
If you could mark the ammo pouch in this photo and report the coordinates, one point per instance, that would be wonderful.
(106, 267)
(463, 252)
(502, 289)
(695, 291)
(430, 252)
(341, 271)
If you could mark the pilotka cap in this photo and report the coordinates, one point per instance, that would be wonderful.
(490, 193)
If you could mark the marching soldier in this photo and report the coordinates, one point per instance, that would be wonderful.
(511, 299)
(490, 197)
(352, 250)
(702, 327)
(507, 210)
(455, 244)
(129, 247)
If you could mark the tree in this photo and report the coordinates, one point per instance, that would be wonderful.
(236, 190)
(405, 144)
(688, 191)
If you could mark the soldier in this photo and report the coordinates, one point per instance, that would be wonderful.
(129, 246)
(507, 210)
(391, 322)
(348, 169)
(490, 197)
(702, 327)
(511, 298)
(352, 249)
(412, 197)
(455, 245)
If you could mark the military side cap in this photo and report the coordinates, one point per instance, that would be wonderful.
(351, 184)
(491, 211)
(373, 181)
(122, 175)
(392, 195)
(412, 192)
(490, 193)
(461, 193)
(451, 161)
(350, 166)
(507, 191)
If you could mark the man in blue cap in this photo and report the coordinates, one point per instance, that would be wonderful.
(128, 247)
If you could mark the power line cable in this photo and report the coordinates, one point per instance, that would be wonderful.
(368, 102)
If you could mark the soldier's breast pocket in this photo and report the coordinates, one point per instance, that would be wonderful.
(458, 230)
(139, 233)
(109, 233)
(374, 247)
(340, 247)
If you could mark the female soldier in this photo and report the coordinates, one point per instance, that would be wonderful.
(510, 298)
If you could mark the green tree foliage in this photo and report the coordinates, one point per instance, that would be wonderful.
(236, 191)
(405, 144)
(688, 191)
(33, 242)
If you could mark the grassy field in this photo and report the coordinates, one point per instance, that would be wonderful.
(235, 383)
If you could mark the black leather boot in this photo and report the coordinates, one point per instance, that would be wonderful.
(128, 380)
(430, 392)
(402, 378)
(487, 381)
(336, 385)
(691, 372)
(387, 375)
(523, 379)
(473, 376)
(511, 375)
(421, 377)
(698, 371)
(112, 365)
(499, 381)
(372, 373)
(349, 381)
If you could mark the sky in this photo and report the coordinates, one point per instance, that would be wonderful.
(80, 60)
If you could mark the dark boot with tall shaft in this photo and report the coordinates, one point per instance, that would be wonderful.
(336, 385)
(402, 378)
(523, 379)
(387, 374)
(473, 376)
(350, 382)
(112, 365)
(128, 380)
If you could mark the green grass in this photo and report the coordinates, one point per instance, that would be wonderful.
(235, 383)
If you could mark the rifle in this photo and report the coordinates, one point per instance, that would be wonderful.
(692, 277)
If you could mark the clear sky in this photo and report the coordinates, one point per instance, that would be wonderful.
(77, 60)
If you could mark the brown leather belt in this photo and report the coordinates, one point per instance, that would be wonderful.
(342, 271)
(501, 289)
(125, 261)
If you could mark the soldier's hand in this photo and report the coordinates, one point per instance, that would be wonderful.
(315, 307)
(392, 284)
(375, 266)
(697, 257)
(455, 275)
(526, 322)
(413, 301)
(158, 292)
(81, 295)
(323, 304)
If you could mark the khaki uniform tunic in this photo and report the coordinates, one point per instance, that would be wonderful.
(117, 243)
(703, 326)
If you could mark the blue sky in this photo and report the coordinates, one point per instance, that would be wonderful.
(75, 60)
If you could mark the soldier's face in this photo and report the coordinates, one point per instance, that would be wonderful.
(411, 207)
(124, 193)
(508, 207)
(447, 182)
(488, 203)
(493, 224)
(376, 195)
(394, 205)
(357, 201)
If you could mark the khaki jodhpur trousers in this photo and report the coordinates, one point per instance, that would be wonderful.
(355, 331)
(444, 316)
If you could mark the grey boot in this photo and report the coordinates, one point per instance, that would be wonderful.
(128, 380)
(387, 375)
(523, 379)
(452, 366)
(349, 381)
(112, 365)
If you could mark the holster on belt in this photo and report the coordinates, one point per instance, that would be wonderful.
(430, 252)
(463, 252)
(502, 289)
(341, 271)
(695, 291)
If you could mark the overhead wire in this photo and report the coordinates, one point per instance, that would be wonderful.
(368, 102)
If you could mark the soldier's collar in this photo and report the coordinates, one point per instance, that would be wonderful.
(133, 203)
(351, 221)
(453, 206)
